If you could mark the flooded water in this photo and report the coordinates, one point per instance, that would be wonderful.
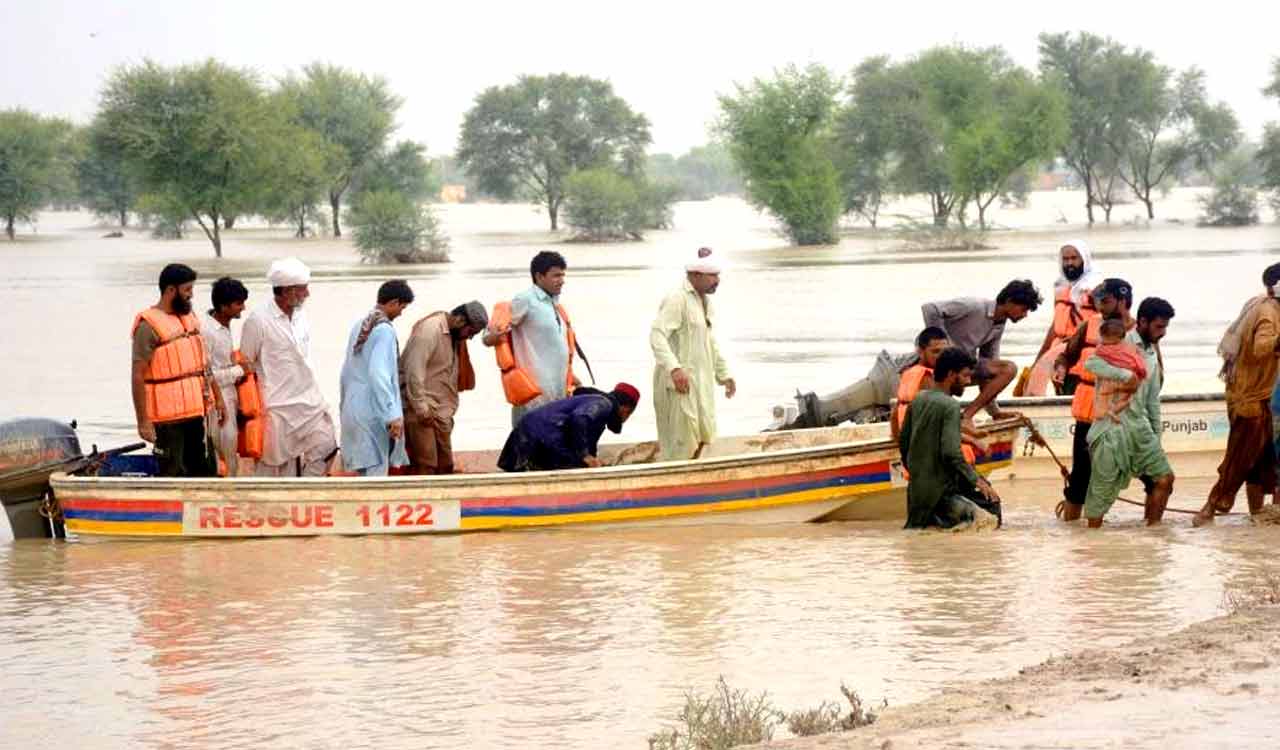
(588, 638)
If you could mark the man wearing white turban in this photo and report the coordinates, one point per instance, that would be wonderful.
(687, 362)
(299, 438)
(1072, 307)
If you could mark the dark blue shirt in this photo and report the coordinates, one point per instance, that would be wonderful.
(559, 435)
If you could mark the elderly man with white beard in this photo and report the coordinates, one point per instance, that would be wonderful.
(276, 343)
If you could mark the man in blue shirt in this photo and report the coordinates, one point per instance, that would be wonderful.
(540, 333)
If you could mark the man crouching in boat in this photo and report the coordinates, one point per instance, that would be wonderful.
(943, 489)
(565, 434)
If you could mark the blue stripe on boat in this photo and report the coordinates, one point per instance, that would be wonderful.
(121, 515)
(678, 500)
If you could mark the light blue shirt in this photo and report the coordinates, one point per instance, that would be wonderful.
(538, 338)
(370, 400)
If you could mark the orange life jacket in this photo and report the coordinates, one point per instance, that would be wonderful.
(175, 376)
(908, 388)
(1067, 316)
(250, 435)
(517, 384)
(1082, 399)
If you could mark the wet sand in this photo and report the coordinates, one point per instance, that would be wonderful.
(1213, 684)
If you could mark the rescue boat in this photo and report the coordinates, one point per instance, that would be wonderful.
(778, 477)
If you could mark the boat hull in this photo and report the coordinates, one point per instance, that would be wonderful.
(816, 479)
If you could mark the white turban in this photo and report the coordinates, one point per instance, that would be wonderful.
(288, 272)
(1090, 276)
(703, 262)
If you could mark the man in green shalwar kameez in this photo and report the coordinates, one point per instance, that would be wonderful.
(943, 490)
(687, 363)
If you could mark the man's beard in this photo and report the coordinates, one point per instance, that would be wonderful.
(1073, 273)
(181, 305)
(615, 423)
(957, 389)
(455, 334)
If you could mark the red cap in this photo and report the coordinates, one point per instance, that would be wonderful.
(628, 392)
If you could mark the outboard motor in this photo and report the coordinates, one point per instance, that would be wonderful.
(31, 449)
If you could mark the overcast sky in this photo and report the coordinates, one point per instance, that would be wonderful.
(667, 59)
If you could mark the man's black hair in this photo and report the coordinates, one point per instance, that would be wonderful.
(952, 359)
(396, 289)
(227, 290)
(1020, 292)
(545, 261)
(1154, 308)
(176, 274)
(1120, 289)
(928, 336)
(1271, 276)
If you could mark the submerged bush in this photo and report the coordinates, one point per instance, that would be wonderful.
(1233, 202)
(165, 216)
(602, 205)
(388, 227)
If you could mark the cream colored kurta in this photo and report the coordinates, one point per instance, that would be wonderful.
(219, 345)
(682, 337)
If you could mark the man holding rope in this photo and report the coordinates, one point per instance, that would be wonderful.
(1130, 446)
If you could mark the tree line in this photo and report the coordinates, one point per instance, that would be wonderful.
(209, 143)
(965, 126)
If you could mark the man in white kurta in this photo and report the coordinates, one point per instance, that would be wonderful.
(687, 363)
(228, 299)
(276, 342)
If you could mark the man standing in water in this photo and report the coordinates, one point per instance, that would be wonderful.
(1130, 446)
(299, 438)
(687, 362)
(1249, 353)
(1072, 306)
(943, 489)
(1113, 300)
(369, 396)
(171, 382)
(976, 326)
(540, 333)
(228, 300)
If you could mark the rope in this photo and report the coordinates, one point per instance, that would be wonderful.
(1060, 508)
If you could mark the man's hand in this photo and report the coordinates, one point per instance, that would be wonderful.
(1059, 373)
(730, 387)
(592, 462)
(395, 428)
(680, 379)
(222, 413)
(1002, 414)
(987, 490)
(147, 432)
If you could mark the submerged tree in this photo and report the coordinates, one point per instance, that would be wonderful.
(202, 136)
(105, 183)
(33, 167)
(403, 169)
(1269, 153)
(353, 112)
(528, 137)
(778, 131)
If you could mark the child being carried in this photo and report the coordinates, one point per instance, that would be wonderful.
(1114, 396)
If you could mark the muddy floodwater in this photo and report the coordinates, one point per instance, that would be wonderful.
(585, 638)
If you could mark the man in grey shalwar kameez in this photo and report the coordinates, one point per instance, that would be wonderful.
(372, 416)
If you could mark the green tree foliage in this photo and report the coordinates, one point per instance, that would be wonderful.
(865, 140)
(203, 136)
(1233, 201)
(1269, 153)
(403, 169)
(1085, 67)
(778, 133)
(353, 112)
(528, 137)
(34, 164)
(299, 180)
(1169, 125)
(166, 216)
(700, 174)
(104, 182)
(389, 227)
(602, 205)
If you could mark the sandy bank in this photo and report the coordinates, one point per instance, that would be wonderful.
(1214, 684)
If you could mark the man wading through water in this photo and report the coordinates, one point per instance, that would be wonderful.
(1113, 300)
(943, 489)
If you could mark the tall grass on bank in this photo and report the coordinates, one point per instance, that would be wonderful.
(729, 718)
